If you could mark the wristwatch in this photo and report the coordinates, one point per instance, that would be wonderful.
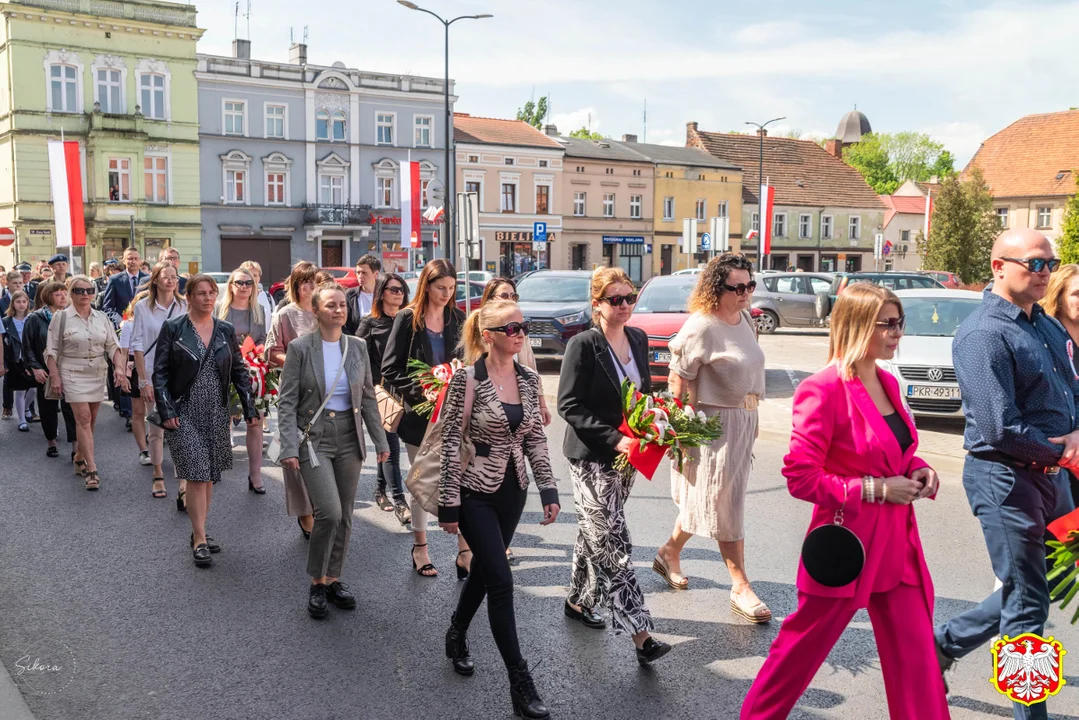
(143, 383)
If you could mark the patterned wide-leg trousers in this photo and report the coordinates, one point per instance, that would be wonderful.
(603, 554)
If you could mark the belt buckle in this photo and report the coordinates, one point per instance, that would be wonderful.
(1051, 469)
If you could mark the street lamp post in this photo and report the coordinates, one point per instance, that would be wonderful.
(760, 181)
(448, 235)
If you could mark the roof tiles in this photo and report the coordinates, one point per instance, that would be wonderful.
(492, 131)
(1036, 155)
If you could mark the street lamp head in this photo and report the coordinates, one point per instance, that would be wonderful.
(409, 5)
(484, 16)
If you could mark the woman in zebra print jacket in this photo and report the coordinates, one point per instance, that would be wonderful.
(494, 407)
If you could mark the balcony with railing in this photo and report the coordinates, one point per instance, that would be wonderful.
(343, 215)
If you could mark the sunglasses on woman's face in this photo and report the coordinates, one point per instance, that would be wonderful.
(395, 289)
(741, 288)
(511, 329)
(243, 283)
(617, 300)
(83, 291)
(507, 296)
(893, 325)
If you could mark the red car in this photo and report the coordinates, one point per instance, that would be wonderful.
(661, 310)
(947, 279)
(475, 285)
(345, 277)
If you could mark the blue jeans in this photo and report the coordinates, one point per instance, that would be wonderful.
(391, 469)
(1013, 507)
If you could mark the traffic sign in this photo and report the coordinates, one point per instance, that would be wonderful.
(7, 237)
(539, 232)
(706, 241)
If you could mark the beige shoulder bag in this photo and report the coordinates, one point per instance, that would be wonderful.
(425, 473)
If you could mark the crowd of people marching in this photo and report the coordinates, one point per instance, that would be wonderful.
(167, 350)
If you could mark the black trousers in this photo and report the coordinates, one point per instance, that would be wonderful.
(9, 397)
(488, 521)
(50, 411)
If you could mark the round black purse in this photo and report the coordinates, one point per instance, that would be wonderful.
(832, 554)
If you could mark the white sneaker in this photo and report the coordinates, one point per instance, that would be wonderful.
(144, 458)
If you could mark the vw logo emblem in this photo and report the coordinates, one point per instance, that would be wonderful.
(935, 374)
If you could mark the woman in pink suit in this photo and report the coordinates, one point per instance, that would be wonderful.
(852, 451)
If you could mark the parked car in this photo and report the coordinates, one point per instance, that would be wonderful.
(222, 280)
(947, 279)
(789, 299)
(923, 362)
(892, 280)
(662, 309)
(688, 271)
(558, 305)
(477, 276)
(475, 294)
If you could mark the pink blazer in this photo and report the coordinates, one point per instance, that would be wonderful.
(839, 437)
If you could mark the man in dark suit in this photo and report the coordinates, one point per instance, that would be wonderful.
(358, 299)
(122, 287)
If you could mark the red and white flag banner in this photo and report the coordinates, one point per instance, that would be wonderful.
(410, 205)
(768, 201)
(65, 179)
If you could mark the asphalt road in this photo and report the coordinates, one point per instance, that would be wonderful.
(102, 586)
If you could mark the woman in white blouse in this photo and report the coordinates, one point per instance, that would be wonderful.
(160, 304)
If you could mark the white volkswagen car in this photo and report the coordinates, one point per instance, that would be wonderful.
(923, 363)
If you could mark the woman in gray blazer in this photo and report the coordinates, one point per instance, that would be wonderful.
(322, 437)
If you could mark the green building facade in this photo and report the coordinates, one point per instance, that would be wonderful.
(118, 77)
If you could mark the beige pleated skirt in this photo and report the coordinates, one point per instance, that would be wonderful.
(710, 492)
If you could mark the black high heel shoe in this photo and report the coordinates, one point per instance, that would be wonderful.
(181, 506)
(462, 572)
(457, 649)
(526, 701)
(422, 571)
(306, 534)
(256, 490)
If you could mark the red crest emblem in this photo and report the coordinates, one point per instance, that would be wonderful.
(1028, 668)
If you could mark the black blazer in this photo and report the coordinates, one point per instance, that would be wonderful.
(589, 393)
(395, 365)
(375, 331)
(177, 363)
(352, 324)
(19, 373)
(118, 295)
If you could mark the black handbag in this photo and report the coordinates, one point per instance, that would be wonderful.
(832, 554)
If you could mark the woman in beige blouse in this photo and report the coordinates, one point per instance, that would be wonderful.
(718, 367)
(77, 366)
(290, 322)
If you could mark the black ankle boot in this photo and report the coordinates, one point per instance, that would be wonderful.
(457, 649)
(526, 702)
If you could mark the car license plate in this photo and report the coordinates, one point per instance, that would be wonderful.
(535, 342)
(661, 357)
(933, 392)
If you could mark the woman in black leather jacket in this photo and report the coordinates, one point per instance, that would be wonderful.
(197, 359)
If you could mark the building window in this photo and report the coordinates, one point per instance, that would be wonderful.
(700, 211)
(544, 163)
(580, 168)
(543, 199)
(275, 121)
(635, 207)
(610, 171)
(423, 131)
(384, 192)
(608, 205)
(855, 227)
(424, 203)
(630, 259)
(110, 91)
(721, 209)
(755, 222)
(156, 175)
(1045, 217)
(805, 226)
(826, 223)
(236, 186)
(1002, 216)
(473, 158)
(578, 204)
(779, 225)
(637, 173)
(275, 188)
(472, 186)
(63, 88)
(510, 161)
(331, 189)
(119, 180)
(668, 208)
(384, 136)
(339, 126)
(152, 94)
(234, 117)
(904, 236)
(509, 198)
(322, 125)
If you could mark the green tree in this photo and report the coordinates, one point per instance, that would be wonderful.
(584, 134)
(962, 229)
(887, 160)
(533, 113)
(1069, 238)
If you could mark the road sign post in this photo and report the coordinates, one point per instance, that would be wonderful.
(539, 232)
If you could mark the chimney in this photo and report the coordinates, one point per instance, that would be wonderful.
(241, 49)
(761, 132)
(691, 134)
(550, 130)
(297, 54)
(834, 147)
(629, 138)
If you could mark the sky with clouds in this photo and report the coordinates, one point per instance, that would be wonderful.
(959, 70)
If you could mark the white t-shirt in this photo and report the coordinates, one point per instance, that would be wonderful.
(341, 399)
(364, 299)
(628, 371)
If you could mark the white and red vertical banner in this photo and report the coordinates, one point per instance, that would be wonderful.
(928, 213)
(767, 206)
(411, 227)
(65, 179)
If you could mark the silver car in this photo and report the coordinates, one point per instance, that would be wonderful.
(923, 362)
(788, 299)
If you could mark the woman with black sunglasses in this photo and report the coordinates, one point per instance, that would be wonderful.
(718, 367)
(390, 295)
(597, 362)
